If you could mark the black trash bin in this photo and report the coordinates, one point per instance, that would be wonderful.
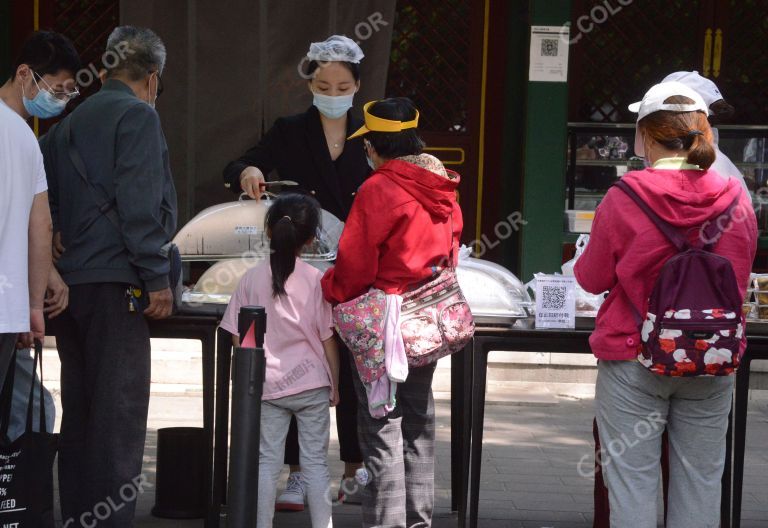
(180, 478)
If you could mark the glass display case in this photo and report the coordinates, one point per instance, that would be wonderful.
(600, 153)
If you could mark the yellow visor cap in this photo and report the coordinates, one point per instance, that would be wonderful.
(379, 124)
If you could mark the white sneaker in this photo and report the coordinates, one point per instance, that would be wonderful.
(294, 495)
(350, 491)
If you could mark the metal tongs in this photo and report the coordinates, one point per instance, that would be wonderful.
(287, 183)
(271, 195)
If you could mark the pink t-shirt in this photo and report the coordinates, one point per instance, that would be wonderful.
(297, 324)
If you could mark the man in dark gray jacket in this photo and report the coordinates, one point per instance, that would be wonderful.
(113, 205)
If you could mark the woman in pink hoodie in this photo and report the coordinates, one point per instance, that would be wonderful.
(625, 255)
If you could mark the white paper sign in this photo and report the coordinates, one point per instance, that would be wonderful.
(246, 230)
(555, 301)
(549, 53)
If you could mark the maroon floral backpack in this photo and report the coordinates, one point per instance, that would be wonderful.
(694, 324)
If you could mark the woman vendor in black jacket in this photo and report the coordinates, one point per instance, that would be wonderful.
(311, 149)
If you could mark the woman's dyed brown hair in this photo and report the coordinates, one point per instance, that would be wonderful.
(687, 131)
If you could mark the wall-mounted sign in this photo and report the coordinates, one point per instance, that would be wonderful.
(549, 53)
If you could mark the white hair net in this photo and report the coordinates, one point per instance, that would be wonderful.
(336, 48)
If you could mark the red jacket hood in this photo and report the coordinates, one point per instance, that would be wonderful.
(684, 198)
(437, 194)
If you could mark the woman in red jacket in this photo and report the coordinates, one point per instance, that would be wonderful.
(403, 223)
(625, 255)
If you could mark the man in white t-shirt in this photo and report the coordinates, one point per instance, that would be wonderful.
(41, 84)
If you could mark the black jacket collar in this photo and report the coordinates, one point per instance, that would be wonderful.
(117, 86)
(319, 149)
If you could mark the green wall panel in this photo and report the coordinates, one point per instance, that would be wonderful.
(543, 190)
(516, 80)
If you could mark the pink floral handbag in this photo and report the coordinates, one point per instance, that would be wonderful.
(360, 324)
(435, 318)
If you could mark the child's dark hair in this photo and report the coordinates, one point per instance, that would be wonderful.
(292, 220)
(391, 145)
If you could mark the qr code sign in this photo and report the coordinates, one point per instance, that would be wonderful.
(553, 297)
(549, 47)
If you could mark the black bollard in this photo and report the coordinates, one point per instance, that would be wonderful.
(248, 367)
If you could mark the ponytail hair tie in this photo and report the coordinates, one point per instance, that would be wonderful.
(695, 133)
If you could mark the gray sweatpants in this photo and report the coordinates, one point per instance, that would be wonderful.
(633, 407)
(399, 454)
(314, 423)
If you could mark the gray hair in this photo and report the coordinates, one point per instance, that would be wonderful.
(140, 51)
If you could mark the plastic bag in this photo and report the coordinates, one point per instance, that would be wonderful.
(587, 304)
(581, 243)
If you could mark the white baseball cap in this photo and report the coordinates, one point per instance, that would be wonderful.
(653, 101)
(703, 86)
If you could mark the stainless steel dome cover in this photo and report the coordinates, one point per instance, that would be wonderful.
(494, 294)
(236, 229)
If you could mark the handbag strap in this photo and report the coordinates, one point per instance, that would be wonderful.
(6, 396)
(38, 358)
(452, 251)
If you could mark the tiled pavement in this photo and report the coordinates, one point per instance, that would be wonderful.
(534, 441)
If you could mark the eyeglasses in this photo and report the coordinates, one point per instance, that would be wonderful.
(160, 87)
(61, 96)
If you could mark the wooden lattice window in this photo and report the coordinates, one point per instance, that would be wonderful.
(617, 60)
(87, 23)
(429, 61)
(620, 57)
(743, 73)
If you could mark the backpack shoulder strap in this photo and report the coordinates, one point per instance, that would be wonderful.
(105, 208)
(674, 236)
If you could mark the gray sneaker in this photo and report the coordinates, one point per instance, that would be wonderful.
(350, 491)
(294, 495)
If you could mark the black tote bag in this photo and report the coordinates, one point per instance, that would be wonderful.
(26, 464)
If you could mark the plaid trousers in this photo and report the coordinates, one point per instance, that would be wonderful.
(399, 454)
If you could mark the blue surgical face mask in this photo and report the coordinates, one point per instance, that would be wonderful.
(44, 105)
(333, 106)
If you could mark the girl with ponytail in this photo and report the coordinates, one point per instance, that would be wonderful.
(302, 373)
(292, 222)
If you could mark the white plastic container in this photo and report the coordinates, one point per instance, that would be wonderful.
(579, 221)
